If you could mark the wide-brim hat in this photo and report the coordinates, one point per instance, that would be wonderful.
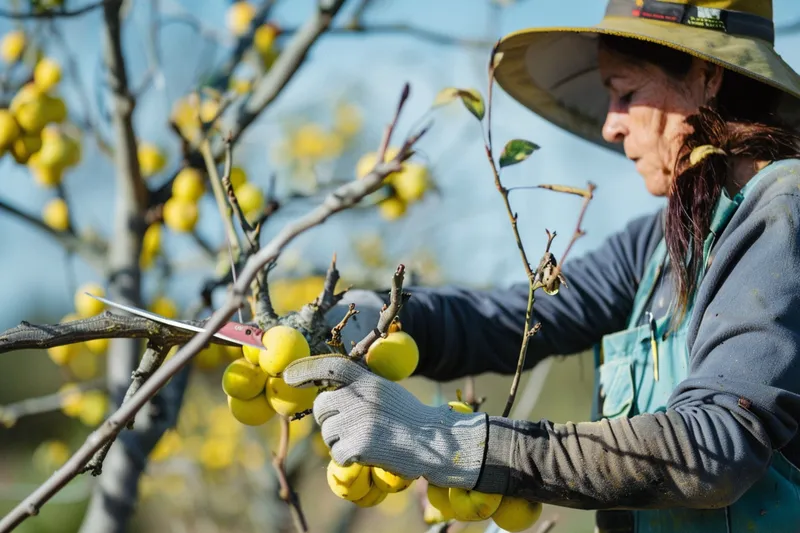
(554, 71)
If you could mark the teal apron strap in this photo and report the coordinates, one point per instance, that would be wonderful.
(648, 284)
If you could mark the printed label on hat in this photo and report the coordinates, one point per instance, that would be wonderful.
(707, 17)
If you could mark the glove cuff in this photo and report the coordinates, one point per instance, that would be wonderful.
(469, 437)
(495, 475)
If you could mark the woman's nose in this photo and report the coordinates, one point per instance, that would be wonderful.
(615, 128)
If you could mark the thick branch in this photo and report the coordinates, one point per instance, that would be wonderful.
(345, 197)
(107, 325)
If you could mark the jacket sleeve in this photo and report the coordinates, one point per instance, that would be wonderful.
(739, 402)
(464, 332)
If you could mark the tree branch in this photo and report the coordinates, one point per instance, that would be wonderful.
(107, 325)
(130, 207)
(423, 34)
(44, 404)
(396, 300)
(56, 13)
(93, 252)
(345, 197)
(287, 63)
(286, 492)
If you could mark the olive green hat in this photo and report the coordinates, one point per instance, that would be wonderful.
(553, 71)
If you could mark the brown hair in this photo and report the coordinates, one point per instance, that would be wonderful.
(742, 121)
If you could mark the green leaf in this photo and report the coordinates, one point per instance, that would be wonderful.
(471, 99)
(516, 151)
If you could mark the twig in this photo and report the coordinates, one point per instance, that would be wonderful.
(547, 266)
(204, 245)
(287, 494)
(328, 297)
(513, 218)
(219, 195)
(243, 44)
(55, 13)
(396, 300)
(343, 198)
(44, 404)
(404, 29)
(264, 313)
(74, 73)
(151, 360)
(578, 233)
(93, 251)
(336, 331)
(227, 187)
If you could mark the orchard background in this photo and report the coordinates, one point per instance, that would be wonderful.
(182, 58)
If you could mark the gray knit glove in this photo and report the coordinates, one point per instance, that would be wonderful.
(373, 421)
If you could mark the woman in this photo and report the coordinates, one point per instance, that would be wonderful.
(700, 433)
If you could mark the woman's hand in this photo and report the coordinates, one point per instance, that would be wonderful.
(373, 421)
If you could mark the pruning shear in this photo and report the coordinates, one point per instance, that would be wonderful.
(241, 334)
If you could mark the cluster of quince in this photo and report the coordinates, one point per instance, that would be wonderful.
(29, 131)
(508, 512)
(253, 383)
(403, 188)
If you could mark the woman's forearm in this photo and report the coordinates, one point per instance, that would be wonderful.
(644, 462)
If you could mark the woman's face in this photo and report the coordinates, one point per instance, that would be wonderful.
(648, 109)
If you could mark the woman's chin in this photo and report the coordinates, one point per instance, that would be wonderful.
(656, 183)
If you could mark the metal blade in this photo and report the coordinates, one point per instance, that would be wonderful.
(169, 322)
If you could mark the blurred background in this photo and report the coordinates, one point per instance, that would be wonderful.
(210, 473)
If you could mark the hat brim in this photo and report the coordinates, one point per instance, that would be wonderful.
(554, 71)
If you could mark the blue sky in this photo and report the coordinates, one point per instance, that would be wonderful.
(466, 227)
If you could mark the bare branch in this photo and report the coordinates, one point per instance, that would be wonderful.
(243, 44)
(345, 197)
(328, 297)
(151, 360)
(287, 63)
(55, 13)
(222, 205)
(103, 326)
(287, 494)
(336, 331)
(396, 300)
(423, 34)
(93, 251)
(44, 404)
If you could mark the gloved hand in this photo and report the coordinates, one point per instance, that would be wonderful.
(373, 421)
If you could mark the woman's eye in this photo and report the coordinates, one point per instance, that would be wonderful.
(626, 98)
